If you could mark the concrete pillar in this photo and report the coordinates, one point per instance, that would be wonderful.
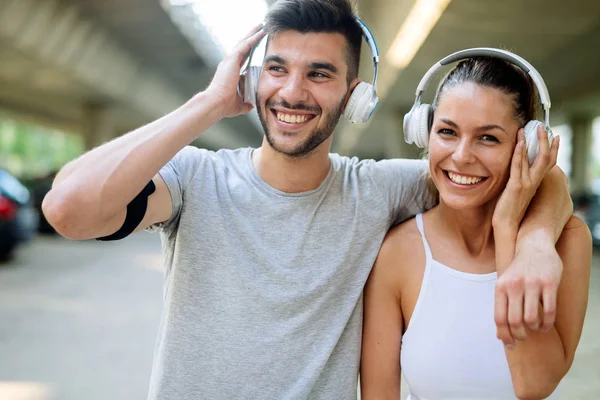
(581, 160)
(98, 125)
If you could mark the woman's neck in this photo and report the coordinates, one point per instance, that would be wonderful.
(472, 227)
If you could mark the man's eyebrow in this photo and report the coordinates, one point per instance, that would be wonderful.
(275, 58)
(324, 65)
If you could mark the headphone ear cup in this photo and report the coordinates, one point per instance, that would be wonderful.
(366, 103)
(251, 84)
(352, 106)
(531, 140)
(417, 124)
(424, 124)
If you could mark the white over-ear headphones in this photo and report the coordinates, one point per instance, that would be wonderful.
(362, 101)
(417, 122)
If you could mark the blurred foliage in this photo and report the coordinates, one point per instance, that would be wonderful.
(30, 151)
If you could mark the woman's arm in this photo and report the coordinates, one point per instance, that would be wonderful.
(382, 328)
(538, 363)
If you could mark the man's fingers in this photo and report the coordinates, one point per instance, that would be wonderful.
(515, 313)
(242, 50)
(501, 318)
(532, 302)
(549, 301)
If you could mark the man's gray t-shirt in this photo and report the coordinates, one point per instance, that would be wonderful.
(263, 289)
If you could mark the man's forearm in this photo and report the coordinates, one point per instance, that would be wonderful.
(103, 181)
(549, 210)
(536, 364)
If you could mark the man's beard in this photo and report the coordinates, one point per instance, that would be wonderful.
(314, 138)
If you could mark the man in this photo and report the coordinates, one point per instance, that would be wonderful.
(267, 250)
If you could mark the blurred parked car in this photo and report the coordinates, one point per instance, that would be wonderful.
(587, 207)
(18, 217)
(39, 188)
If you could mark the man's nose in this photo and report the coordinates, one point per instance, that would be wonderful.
(294, 90)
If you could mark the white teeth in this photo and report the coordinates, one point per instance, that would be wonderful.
(292, 118)
(463, 180)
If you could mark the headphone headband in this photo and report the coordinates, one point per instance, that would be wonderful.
(374, 49)
(496, 53)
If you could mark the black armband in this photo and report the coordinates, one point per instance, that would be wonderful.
(136, 210)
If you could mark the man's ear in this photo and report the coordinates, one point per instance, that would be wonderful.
(352, 86)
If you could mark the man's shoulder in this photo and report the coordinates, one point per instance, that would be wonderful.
(387, 173)
(193, 154)
(374, 164)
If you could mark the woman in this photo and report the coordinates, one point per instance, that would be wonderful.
(429, 301)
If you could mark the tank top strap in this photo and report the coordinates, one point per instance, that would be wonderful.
(428, 256)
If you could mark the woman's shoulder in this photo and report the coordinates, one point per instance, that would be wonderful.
(400, 244)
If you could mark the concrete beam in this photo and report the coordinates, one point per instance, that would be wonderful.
(54, 33)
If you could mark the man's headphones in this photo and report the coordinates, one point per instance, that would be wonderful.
(418, 121)
(361, 103)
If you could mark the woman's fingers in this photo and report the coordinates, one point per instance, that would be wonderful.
(517, 159)
(525, 156)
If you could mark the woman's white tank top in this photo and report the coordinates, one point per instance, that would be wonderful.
(450, 350)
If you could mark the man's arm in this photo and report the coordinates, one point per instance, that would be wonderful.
(538, 363)
(532, 277)
(549, 210)
(405, 186)
(90, 195)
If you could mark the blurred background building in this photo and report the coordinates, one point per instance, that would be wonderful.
(78, 320)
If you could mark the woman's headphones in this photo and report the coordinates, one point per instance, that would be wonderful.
(361, 103)
(417, 123)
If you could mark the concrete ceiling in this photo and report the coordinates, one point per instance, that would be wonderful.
(38, 88)
(144, 28)
(560, 38)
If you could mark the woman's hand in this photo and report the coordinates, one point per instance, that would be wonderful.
(524, 180)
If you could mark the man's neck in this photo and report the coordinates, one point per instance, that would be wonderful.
(291, 174)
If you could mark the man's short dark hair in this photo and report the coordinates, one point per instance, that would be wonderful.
(319, 16)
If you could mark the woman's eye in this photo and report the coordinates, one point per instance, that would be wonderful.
(490, 138)
(445, 131)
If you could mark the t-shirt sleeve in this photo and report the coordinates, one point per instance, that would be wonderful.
(178, 173)
(403, 184)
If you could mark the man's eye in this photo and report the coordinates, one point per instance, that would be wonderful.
(318, 75)
(276, 68)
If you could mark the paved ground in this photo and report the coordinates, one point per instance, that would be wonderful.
(78, 322)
